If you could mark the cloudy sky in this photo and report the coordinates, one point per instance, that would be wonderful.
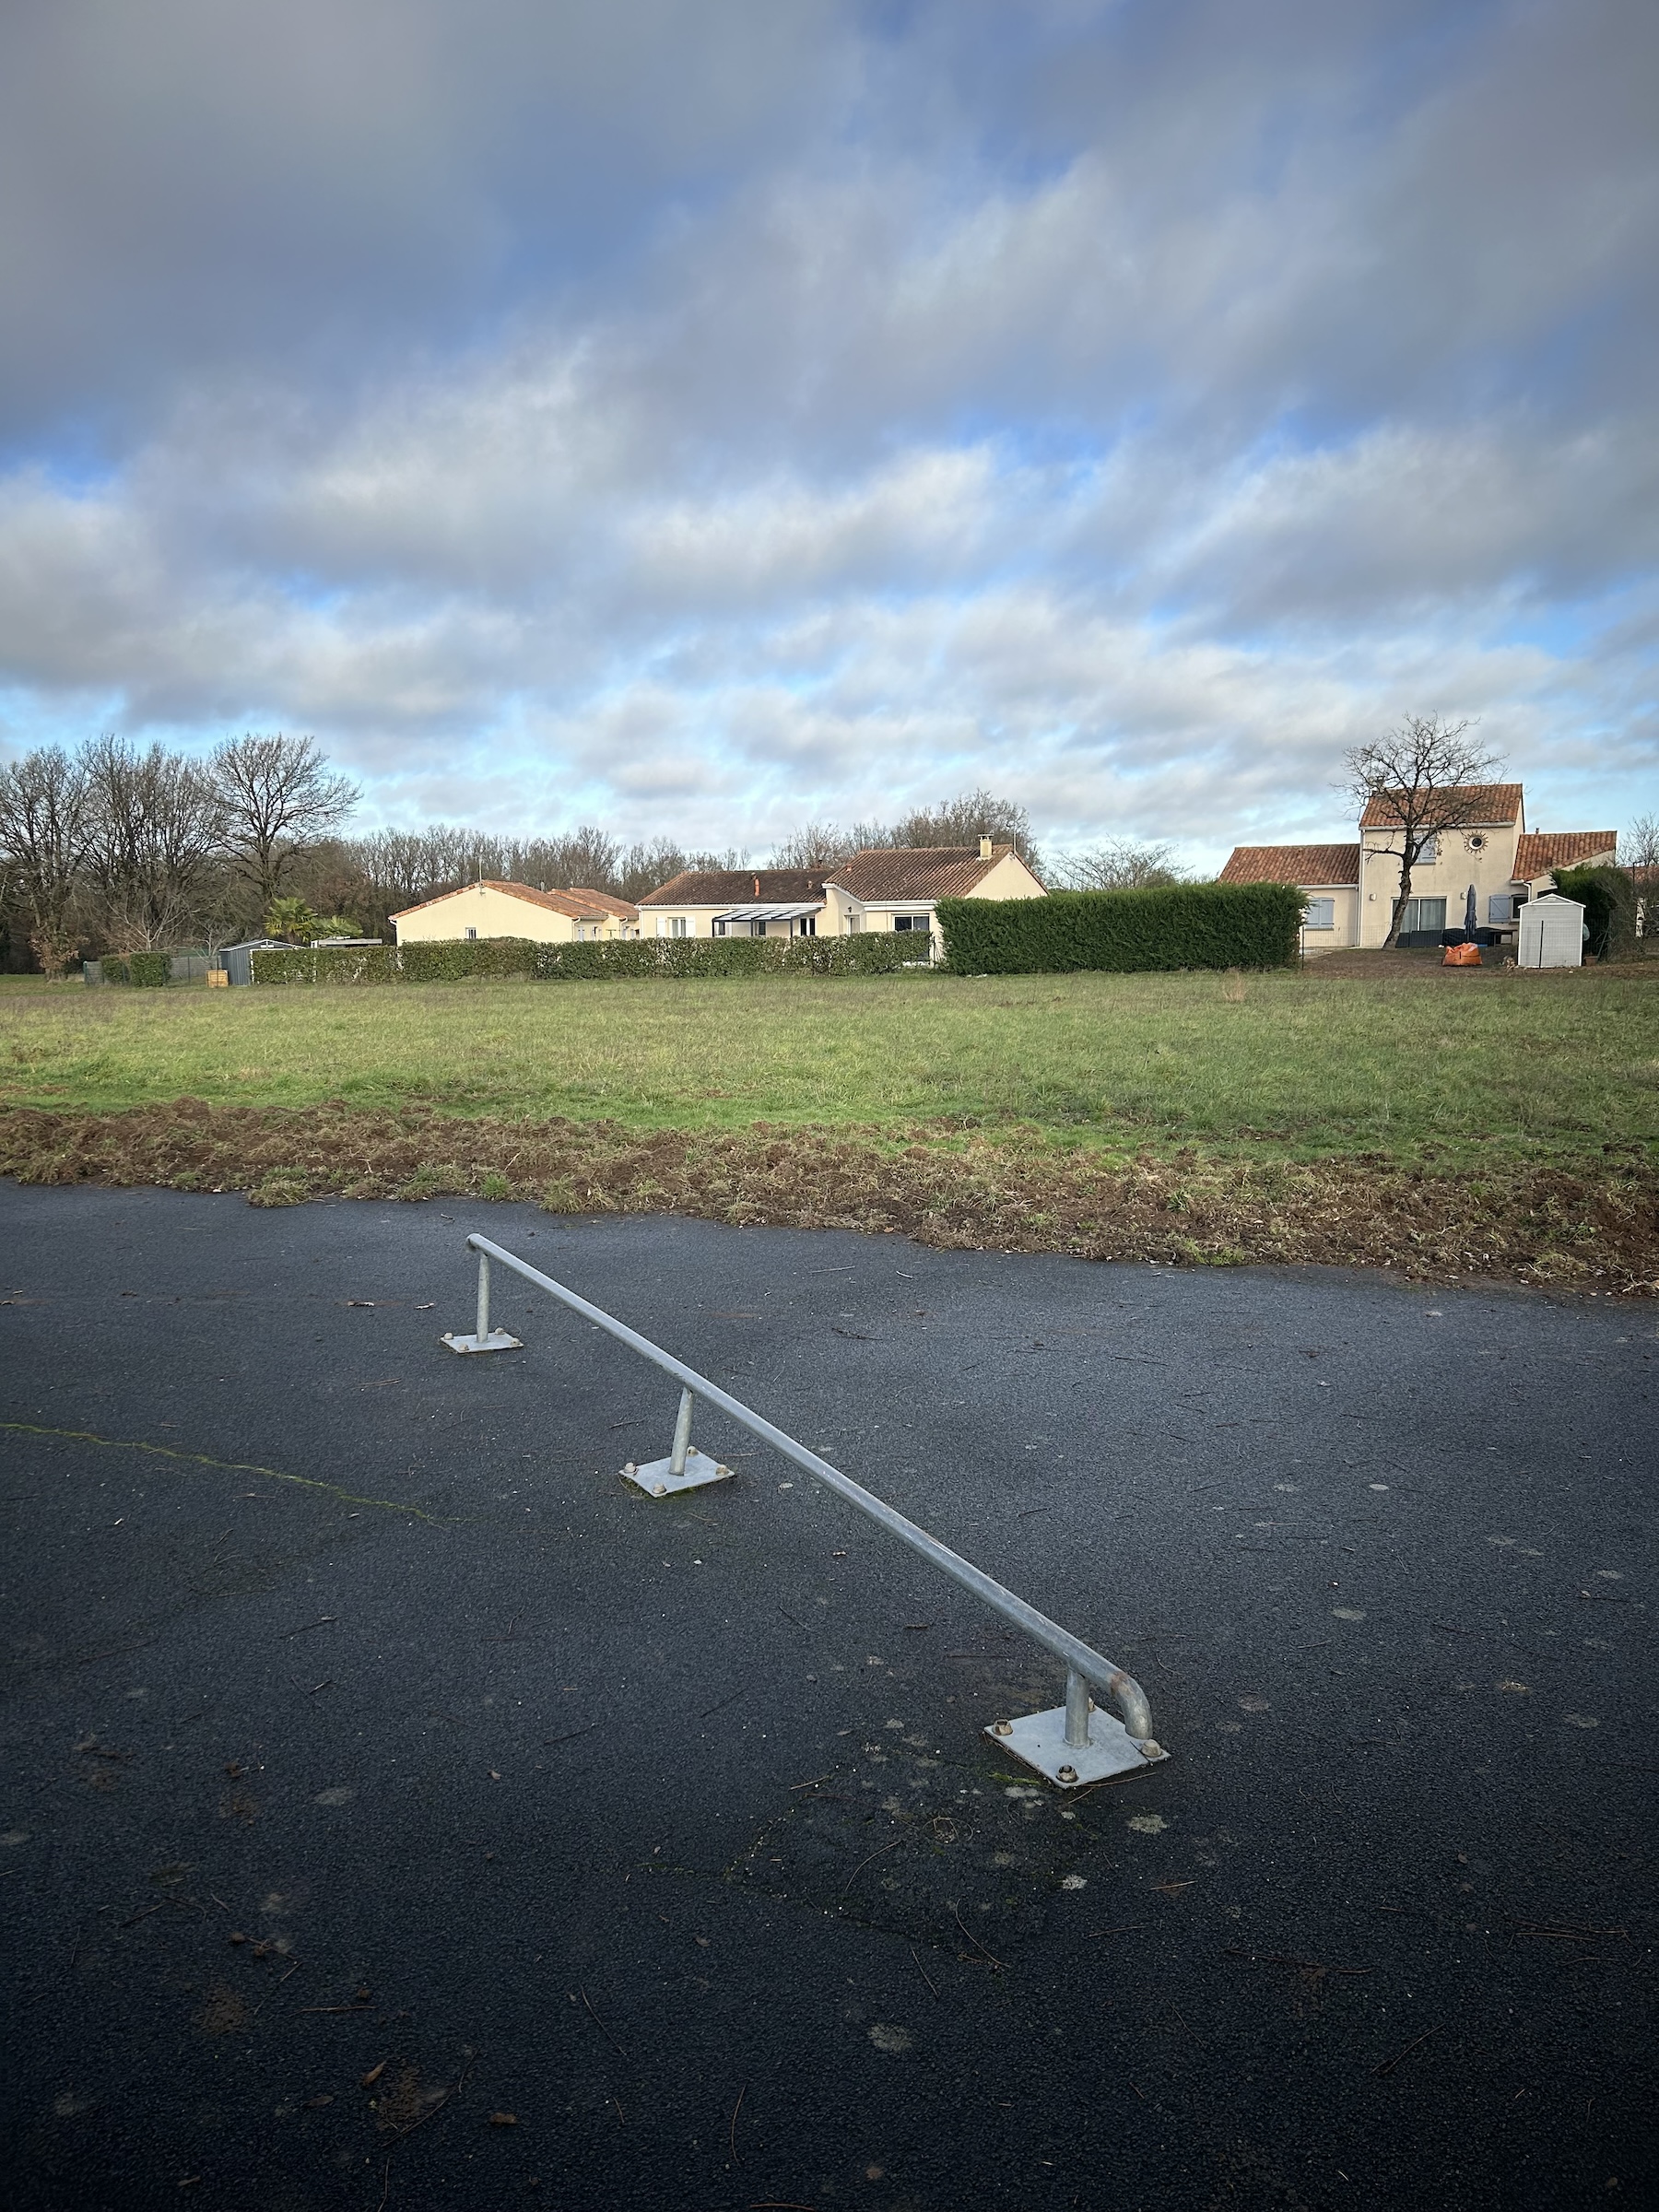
(707, 415)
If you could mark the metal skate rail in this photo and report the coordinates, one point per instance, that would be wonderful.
(1085, 1669)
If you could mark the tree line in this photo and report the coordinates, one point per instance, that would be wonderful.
(120, 848)
(112, 847)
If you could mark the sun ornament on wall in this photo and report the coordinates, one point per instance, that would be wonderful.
(1476, 840)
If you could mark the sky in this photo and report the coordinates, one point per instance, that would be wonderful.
(706, 418)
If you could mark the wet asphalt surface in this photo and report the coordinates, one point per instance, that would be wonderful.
(590, 1851)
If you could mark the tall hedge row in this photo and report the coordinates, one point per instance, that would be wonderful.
(1176, 925)
(463, 960)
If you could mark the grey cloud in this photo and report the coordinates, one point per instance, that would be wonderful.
(214, 180)
(746, 414)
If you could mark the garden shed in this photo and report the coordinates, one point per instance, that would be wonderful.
(1552, 933)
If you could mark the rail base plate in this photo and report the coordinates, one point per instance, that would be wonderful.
(498, 1340)
(656, 1480)
(1038, 1738)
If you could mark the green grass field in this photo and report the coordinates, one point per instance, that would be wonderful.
(1459, 1068)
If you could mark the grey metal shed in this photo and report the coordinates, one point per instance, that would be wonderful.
(237, 961)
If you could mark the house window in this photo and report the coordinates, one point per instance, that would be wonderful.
(677, 927)
(1423, 915)
(1319, 913)
(807, 926)
(1428, 852)
(910, 921)
(1500, 907)
(757, 929)
(471, 936)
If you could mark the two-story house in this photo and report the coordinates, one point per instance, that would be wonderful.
(1351, 888)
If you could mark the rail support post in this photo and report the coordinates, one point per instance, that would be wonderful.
(485, 1339)
(685, 1467)
(1076, 1743)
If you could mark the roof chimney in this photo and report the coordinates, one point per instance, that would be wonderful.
(985, 848)
(757, 887)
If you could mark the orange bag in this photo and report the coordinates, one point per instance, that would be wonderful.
(1461, 955)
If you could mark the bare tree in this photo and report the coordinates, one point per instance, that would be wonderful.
(960, 822)
(815, 845)
(1639, 847)
(1423, 778)
(584, 859)
(278, 797)
(156, 831)
(646, 864)
(1118, 864)
(44, 831)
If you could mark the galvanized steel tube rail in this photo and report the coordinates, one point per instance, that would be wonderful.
(1079, 1658)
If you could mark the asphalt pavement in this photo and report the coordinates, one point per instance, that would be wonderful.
(404, 1813)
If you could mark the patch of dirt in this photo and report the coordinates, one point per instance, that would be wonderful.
(1590, 1226)
(223, 2012)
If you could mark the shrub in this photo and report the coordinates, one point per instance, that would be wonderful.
(1608, 899)
(1173, 925)
(147, 971)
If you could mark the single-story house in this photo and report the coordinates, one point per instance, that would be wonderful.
(490, 908)
(896, 889)
(1351, 888)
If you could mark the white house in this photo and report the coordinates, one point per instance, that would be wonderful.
(879, 889)
(1351, 888)
(490, 908)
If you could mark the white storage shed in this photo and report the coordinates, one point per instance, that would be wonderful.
(1552, 933)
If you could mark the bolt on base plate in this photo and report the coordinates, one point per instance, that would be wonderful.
(498, 1340)
(1038, 1738)
(657, 1476)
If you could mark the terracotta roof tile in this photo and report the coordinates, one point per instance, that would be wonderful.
(576, 906)
(736, 886)
(919, 872)
(602, 902)
(1537, 854)
(1490, 804)
(1305, 865)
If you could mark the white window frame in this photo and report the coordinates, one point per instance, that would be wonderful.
(679, 926)
(1319, 913)
(1408, 927)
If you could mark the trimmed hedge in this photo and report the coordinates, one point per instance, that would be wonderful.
(463, 960)
(334, 964)
(144, 970)
(880, 953)
(1174, 925)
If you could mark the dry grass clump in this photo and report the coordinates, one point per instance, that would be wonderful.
(1592, 1226)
